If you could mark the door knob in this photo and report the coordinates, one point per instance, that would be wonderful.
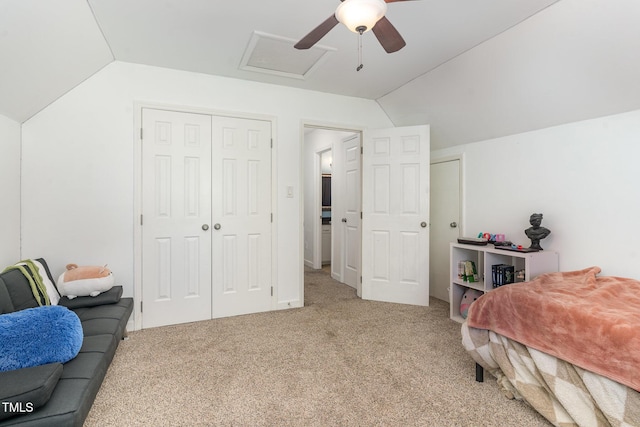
(344, 219)
(423, 224)
(205, 227)
(217, 226)
(453, 224)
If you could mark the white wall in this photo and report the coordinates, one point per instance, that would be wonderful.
(573, 61)
(9, 191)
(583, 176)
(325, 162)
(314, 142)
(78, 162)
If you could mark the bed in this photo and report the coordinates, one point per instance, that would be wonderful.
(566, 343)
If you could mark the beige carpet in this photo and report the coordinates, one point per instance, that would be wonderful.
(339, 361)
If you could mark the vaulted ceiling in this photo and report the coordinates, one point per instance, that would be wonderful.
(459, 71)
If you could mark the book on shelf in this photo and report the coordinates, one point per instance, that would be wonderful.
(502, 274)
(467, 271)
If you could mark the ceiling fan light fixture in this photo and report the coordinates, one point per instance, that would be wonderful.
(355, 14)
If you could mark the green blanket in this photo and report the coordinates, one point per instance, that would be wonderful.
(32, 273)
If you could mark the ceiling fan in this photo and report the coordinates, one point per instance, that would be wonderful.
(359, 16)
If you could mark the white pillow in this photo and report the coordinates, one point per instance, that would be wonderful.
(85, 287)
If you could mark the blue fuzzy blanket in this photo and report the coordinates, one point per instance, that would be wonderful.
(37, 336)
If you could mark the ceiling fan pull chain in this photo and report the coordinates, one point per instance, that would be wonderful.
(360, 50)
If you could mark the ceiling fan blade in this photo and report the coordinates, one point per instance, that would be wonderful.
(317, 33)
(388, 36)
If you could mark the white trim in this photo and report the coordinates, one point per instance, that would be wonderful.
(137, 211)
(138, 106)
(446, 158)
(274, 210)
(314, 124)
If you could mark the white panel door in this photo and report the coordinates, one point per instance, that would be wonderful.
(345, 212)
(350, 223)
(176, 203)
(338, 209)
(445, 217)
(395, 201)
(242, 216)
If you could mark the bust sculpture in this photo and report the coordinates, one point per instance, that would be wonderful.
(536, 232)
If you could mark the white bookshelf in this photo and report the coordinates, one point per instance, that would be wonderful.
(533, 264)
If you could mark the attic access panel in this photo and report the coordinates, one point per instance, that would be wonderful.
(270, 54)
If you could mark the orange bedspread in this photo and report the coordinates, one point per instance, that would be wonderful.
(592, 322)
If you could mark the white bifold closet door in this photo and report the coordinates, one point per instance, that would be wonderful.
(206, 217)
(242, 210)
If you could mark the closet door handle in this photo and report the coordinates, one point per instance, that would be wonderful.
(217, 226)
(205, 227)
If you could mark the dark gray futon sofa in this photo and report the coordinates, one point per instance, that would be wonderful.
(61, 394)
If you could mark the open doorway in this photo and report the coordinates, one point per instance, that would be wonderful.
(392, 178)
(446, 221)
(317, 203)
(332, 203)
